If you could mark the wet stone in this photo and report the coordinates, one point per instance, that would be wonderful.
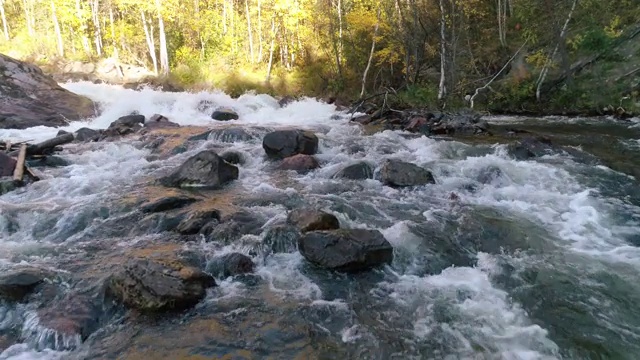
(284, 143)
(205, 169)
(18, 283)
(281, 239)
(311, 220)
(196, 220)
(358, 171)
(167, 203)
(230, 264)
(399, 173)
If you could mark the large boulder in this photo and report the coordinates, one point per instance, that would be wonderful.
(18, 283)
(349, 250)
(195, 221)
(87, 135)
(300, 163)
(7, 165)
(531, 147)
(157, 121)
(205, 169)
(125, 125)
(224, 114)
(30, 98)
(311, 220)
(284, 143)
(152, 285)
(358, 171)
(400, 173)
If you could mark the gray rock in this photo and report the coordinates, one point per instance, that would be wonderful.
(311, 220)
(358, 171)
(8, 184)
(157, 121)
(48, 161)
(400, 173)
(86, 135)
(350, 250)
(194, 222)
(155, 286)
(224, 114)
(230, 264)
(281, 239)
(284, 143)
(30, 98)
(205, 169)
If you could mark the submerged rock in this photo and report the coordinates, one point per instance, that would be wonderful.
(310, 220)
(284, 143)
(400, 173)
(18, 283)
(30, 98)
(230, 135)
(48, 161)
(358, 171)
(300, 163)
(205, 169)
(224, 114)
(349, 250)
(7, 165)
(74, 315)
(234, 226)
(531, 147)
(281, 239)
(154, 285)
(230, 264)
(8, 184)
(167, 203)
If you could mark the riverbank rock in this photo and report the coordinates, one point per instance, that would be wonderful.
(300, 163)
(399, 173)
(30, 98)
(284, 143)
(155, 285)
(349, 250)
(224, 114)
(230, 264)
(7, 165)
(86, 135)
(358, 171)
(205, 169)
(311, 220)
(17, 283)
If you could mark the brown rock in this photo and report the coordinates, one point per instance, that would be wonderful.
(311, 220)
(416, 124)
(301, 163)
(74, 314)
(363, 119)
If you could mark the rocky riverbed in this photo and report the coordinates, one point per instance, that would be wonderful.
(290, 230)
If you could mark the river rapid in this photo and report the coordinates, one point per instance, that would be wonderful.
(535, 259)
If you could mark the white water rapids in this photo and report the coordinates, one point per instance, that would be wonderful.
(562, 209)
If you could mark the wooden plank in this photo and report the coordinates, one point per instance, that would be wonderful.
(18, 173)
(7, 146)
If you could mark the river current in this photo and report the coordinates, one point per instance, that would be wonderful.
(535, 259)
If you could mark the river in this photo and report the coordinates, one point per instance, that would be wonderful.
(535, 259)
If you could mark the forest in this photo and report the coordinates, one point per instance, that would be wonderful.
(507, 55)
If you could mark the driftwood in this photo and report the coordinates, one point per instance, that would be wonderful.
(18, 173)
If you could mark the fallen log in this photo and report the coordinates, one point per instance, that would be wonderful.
(18, 173)
(45, 146)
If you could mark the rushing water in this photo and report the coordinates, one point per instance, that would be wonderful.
(535, 259)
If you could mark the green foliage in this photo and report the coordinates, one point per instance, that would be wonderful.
(419, 95)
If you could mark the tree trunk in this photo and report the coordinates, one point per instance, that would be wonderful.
(442, 88)
(113, 35)
(164, 55)
(259, 31)
(373, 49)
(224, 17)
(28, 16)
(56, 26)
(246, 6)
(340, 42)
(5, 26)
(271, 48)
(82, 29)
(95, 16)
(545, 69)
(150, 41)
